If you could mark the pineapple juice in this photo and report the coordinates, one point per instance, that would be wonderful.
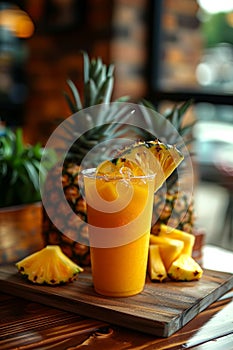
(119, 215)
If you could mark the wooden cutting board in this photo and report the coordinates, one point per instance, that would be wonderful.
(161, 309)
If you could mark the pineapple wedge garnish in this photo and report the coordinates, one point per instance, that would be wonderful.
(185, 268)
(152, 157)
(156, 268)
(187, 238)
(48, 266)
(169, 248)
(175, 250)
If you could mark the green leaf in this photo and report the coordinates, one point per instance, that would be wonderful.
(90, 93)
(7, 149)
(14, 177)
(3, 169)
(92, 68)
(19, 144)
(122, 99)
(101, 77)
(176, 115)
(175, 118)
(147, 104)
(86, 67)
(75, 94)
(105, 92)
(187, 129)
(71, 105)
(32, 174)
(110, 71)
(185, 106)
(98, 67)
(147, 116)
(19, 169)
(37, 151)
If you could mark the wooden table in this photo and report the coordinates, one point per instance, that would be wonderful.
(28, 325)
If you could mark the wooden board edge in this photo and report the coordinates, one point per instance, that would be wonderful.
(105, 314)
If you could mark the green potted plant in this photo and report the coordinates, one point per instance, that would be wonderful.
(20, 206)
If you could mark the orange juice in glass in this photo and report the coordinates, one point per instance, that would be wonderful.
(119, 211)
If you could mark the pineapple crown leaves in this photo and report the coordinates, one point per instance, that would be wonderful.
(175, 116)
(20, 168)
(109, 126)
(98, 81)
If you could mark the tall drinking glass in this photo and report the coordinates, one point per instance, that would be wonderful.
(119, 212)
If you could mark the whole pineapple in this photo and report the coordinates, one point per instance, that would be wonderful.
(98, 86)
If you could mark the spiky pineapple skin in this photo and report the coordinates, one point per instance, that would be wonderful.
(69, 243)
(98, 82)
(176, 204)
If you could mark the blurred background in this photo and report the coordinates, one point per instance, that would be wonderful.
(163, 50)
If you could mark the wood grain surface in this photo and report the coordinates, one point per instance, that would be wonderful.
(161, 309)
(26, 325)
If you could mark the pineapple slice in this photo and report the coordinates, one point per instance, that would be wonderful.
(185, 268)
(164, 160)
(144, 157)
(187, 238)
(48, 265)
(169, 248)
(156, 268)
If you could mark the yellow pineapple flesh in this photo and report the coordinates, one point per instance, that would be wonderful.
(48, 266)
(169, 248)
(187, 238)
(156, 268)
(162, 159)
(185, 268)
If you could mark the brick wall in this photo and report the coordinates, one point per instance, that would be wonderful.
(182, 44)
(114, 30)
(118, 31)
(129, 47)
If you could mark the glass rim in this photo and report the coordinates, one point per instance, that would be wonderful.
(91, 174)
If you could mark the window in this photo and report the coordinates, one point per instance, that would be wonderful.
(192, 50)
(192, 57)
